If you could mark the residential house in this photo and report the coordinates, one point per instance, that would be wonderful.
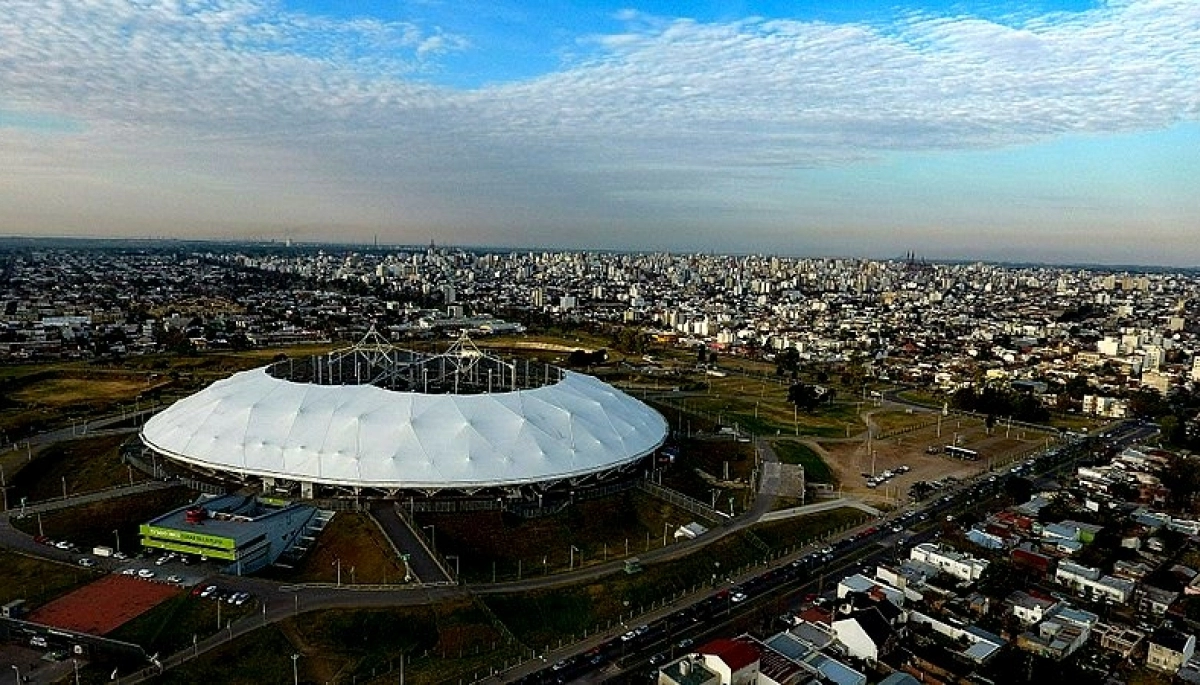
(1169, 649)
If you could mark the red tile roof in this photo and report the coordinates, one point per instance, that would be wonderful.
(736, 654)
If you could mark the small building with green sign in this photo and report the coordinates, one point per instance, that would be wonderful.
(247, 532)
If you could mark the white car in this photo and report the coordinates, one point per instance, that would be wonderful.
(86, 562)
(145, 574)
(129, 572)
(174, 579)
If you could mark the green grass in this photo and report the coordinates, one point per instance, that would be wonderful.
(124, 514)
(38, 581)
(264, 656)
(86, 464)
(709, 456)
(888, 421)
(353, 538)
(544, 617)
(789, 533)
(438, 642)
(598, 529)
(169, 627)
(815, 468)
(922, 397)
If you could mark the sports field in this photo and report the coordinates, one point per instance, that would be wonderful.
(101, 607)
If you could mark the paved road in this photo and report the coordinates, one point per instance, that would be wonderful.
(420, 560)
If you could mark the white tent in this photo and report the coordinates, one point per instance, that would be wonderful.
(362, 435)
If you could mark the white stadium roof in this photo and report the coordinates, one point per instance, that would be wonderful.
(361, 435)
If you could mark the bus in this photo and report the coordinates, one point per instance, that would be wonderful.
(961, 453)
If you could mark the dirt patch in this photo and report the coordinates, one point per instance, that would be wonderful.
(850, 459)
(101, 607)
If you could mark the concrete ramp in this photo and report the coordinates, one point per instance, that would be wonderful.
(817, 508)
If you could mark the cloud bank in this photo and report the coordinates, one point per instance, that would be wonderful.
(238, 113)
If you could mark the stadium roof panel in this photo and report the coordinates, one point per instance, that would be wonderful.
(361, 435)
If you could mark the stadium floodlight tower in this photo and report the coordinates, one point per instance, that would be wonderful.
(376, 420)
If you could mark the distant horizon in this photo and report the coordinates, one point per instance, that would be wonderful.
(413, 247)
(1039, 130)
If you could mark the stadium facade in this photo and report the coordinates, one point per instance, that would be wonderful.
(374, 420)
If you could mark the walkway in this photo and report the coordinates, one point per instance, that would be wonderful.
(819, 507)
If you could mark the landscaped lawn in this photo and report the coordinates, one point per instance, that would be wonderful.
(815, 468)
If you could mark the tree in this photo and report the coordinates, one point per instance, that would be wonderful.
(787, 362)
(804, 396)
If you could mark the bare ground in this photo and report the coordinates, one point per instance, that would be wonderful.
(850, 459)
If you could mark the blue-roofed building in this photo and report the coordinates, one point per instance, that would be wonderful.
(247, 532)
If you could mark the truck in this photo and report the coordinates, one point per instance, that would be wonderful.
(102, 551)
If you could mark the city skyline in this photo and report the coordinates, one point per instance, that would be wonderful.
(1044, 132)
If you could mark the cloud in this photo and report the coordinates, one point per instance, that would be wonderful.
(349, 108)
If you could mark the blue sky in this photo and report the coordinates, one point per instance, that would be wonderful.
(980, 130)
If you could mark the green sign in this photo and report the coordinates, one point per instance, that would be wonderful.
(183, 536)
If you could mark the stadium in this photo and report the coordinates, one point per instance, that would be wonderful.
(378, 421)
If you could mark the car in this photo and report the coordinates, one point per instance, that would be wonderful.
(129, 572)
(242, 598)
(685, 643)
(628, 636)
(87, 562)
(737, 597)
(145, 574)
(174, 579)
(62, 544)
(208, 591)
(657, 659)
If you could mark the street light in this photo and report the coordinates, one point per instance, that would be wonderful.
(18, 670)
(118, 534)
(295, 670)
(666, 527)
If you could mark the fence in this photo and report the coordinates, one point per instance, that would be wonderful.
(689, 504)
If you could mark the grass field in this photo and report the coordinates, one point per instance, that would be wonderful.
(64, 393)
(365, 554)
(439, 643)
(701, 468)
(889, 421)
(169, 627)
(789, 533)
(123, 514)
(86, 464)
(37, 581)
(545, 617)
(597, 529)
(815, 468)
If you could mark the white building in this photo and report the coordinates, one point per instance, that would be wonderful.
(1090, 583)
(962, 566)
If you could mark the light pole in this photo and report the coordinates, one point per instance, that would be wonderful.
(18, 670)
(338, 562)
(118, 534)
(666, 527)
(295, 669)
